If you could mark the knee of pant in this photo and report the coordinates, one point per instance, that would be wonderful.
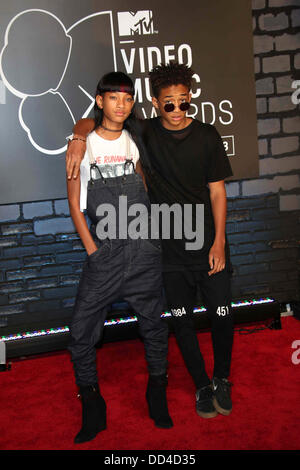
(154, 330)
(183, 330)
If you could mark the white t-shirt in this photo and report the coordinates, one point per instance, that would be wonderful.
(110, 156)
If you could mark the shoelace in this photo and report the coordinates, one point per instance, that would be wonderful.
(224, 385)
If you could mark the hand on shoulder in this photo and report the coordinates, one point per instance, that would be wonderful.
(77, 146)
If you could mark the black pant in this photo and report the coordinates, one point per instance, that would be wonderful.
(181, 293)
(129, 270)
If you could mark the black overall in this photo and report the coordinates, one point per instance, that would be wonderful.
(121, 269)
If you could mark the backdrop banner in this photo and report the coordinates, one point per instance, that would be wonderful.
(53, 52)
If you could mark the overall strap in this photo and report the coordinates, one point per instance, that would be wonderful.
(92, 160)
(90, 151)
(128, 161)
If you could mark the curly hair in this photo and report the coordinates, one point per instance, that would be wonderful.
(173, 73)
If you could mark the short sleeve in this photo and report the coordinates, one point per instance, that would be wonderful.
(218, 167)
(134, 154)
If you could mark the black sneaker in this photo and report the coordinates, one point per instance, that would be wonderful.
(221, 400)
(204, 402)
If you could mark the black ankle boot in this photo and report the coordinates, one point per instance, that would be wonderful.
(157, 401)
(93, 413)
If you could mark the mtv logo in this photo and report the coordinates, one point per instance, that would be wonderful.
(140, 22)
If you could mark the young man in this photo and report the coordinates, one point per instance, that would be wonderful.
(188, 165)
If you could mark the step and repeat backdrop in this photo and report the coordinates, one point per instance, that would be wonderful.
(53, 52)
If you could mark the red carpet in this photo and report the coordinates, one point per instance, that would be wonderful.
(40, 411)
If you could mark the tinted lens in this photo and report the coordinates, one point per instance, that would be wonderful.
(184, 106)
(169, 107)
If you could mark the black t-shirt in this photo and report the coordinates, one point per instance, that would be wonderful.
(186, 161)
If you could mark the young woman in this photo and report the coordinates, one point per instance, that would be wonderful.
(118, 266)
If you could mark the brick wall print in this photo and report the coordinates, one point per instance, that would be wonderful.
(41, 255)
(265, 244)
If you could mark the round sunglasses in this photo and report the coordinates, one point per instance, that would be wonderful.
(169, 107)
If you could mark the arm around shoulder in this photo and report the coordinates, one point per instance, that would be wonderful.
(83, 127)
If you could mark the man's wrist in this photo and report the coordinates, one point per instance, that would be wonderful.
(78, 137)
(219, 241)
